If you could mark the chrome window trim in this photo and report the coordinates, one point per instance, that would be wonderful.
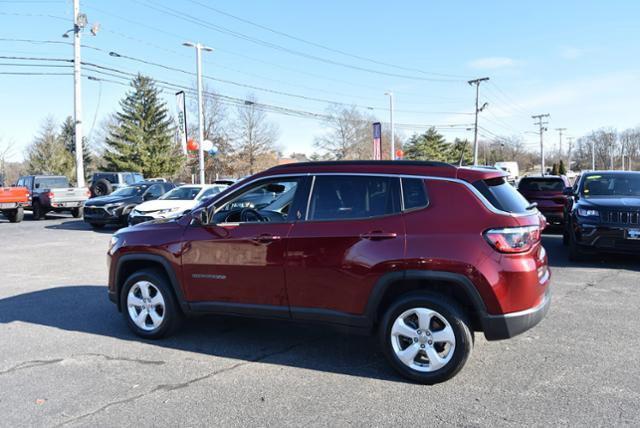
(401, 195)
(311, 187)
(468, 185)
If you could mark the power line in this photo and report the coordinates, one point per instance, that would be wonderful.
(318, 45)
(198, 21)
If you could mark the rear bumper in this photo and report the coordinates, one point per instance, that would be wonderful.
(497, 327)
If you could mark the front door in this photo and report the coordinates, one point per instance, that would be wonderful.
(239, 258)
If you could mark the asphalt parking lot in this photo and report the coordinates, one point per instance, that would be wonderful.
(67, 357)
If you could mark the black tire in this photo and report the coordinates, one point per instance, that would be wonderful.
(15, 216)
(38, 211)
(172, 316)
(77, 212)
(453, 314)
(565, 236)
(97, 225)
(101, 187)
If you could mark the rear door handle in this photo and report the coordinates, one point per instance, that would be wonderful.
(267, 238)
(379, 235)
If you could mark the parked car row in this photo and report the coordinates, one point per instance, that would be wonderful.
(125, 198)
(599, 213)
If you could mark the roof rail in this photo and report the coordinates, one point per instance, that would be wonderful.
(366, 162)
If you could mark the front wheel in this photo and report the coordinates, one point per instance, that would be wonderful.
(149, 306)
(426, 337)
(576, 254)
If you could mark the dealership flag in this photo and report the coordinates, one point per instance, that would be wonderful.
(182, 121)
(377, 141)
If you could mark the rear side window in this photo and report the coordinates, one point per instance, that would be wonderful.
(541, 184)
(502, 195)
(338, 197)
(414, 193)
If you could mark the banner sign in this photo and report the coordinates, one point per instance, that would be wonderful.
(182, 121)
(377, 141)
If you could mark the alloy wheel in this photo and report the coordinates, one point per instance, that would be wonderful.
(146, 305)
(422, 339)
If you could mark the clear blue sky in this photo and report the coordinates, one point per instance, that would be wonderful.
(577, 60)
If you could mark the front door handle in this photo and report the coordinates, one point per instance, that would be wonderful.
(267, 238)
(379, 235)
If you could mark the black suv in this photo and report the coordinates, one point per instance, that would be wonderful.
(115, 208)
(103, 183)
(603, 214)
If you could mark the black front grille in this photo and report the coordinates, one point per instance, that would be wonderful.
(620, 217)
(95, 212)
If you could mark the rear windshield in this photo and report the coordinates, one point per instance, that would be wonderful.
(52, 182)
(502, 195)
(541, 184)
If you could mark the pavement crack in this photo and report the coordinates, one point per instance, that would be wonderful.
(181, 385)
(124, 359)
(30, 364)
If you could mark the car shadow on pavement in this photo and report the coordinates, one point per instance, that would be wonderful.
(558, 255)
(80, 225)
(86, 309)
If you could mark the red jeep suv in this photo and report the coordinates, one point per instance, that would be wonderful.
(420, 253)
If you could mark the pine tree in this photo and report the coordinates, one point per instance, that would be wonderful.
(47, 154)
(67, 135)
(428, 146)
(142, 137)
(456, 149)
(562, 170)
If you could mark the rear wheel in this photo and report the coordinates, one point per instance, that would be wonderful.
(149, 306)
(576, 254)
(426, 337)
(38, 211)
(77, 212)
(15, 216)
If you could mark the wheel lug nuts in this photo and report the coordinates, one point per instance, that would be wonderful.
(428, 333)
(430, 342)
(419, 332)
(415, 339)
(422, 346)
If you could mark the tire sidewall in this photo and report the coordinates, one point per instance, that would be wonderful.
(38, 214)
(453, 314)
(171, 315)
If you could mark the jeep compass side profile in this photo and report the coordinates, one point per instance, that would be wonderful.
(422, 254)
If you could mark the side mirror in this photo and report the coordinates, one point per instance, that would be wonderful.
(37, 185)
(201, 217)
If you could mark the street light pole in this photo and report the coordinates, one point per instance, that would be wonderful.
(393, 137)
(478, 109)
(77, 94)
(199, 48)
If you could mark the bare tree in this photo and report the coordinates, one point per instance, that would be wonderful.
(348, 135)
(6, 150)
(254, 138)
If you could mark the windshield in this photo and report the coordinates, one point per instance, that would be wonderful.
(541, 184)
(182, 193)
(129, 191)
(611, 185)
(52, 182)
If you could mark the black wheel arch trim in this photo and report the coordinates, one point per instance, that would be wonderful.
(166, 265)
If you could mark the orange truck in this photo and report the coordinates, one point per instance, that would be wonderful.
(12, 202)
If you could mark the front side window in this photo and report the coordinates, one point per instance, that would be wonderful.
(155, 191)
(337, 197)
(266, 201)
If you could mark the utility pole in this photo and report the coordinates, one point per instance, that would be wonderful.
(199, 47)
(477, 82)
(570, 139)
(393, 137)
(542, 128)
(79, 22)
(560, 131)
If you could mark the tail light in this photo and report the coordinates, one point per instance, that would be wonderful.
(513, 239)
(87, 193)
(51, 195)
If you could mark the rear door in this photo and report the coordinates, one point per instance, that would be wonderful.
(353, 234)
